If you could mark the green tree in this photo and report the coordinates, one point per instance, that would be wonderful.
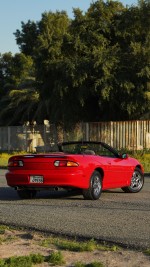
(18, 93)
(133, 71)
(26, 38)
(5, 72)
(49, 60)
(94, 58)
(91, 68)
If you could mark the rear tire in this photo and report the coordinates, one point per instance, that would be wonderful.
(26, 194)
(137, 182)
(95, 188)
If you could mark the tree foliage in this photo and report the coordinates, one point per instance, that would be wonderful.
(93, 67)
(17, 88)
(26, 39)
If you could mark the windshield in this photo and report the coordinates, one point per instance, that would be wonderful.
(88, 148)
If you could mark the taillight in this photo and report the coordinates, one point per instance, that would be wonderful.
(15, 163)
(65, 163)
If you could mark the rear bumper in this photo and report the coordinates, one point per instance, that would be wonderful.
(68, 178)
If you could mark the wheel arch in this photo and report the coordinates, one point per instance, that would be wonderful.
(138, 166)
(100, 170)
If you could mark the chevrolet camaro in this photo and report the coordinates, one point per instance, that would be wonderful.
(89, 166)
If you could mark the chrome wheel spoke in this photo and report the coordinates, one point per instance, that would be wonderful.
(136, 181)
(96, 185)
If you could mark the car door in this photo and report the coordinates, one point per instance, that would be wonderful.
(116, 175)
(114, 167)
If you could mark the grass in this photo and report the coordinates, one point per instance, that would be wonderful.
(6, 239)
(22, 261)
(65, 244)
(73, 245)
(147, 251)
(54, 259)
(2, 229)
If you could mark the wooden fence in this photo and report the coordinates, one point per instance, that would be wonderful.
(131, 135)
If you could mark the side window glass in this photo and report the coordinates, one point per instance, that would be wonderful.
(104, 152)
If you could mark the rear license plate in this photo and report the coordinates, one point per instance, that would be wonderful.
(36, 179)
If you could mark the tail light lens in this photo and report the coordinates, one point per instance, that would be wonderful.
(15, 163)
(65, 163)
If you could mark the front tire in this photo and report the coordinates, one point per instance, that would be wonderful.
(26, 194)
(137, 182)
(95, 188)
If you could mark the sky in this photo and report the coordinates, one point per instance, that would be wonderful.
(12, 12)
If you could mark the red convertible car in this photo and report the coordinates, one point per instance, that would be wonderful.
(85, 165)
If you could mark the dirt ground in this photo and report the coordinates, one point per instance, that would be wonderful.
(19, 243)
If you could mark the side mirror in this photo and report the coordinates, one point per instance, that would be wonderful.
(124, 156)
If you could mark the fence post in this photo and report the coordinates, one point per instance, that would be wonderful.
(26, 139)
(86, 131)
(111, 133)
(8, 138)
(137, 135)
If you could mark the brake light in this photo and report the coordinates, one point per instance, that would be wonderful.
(65, 163)
(15, 163)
